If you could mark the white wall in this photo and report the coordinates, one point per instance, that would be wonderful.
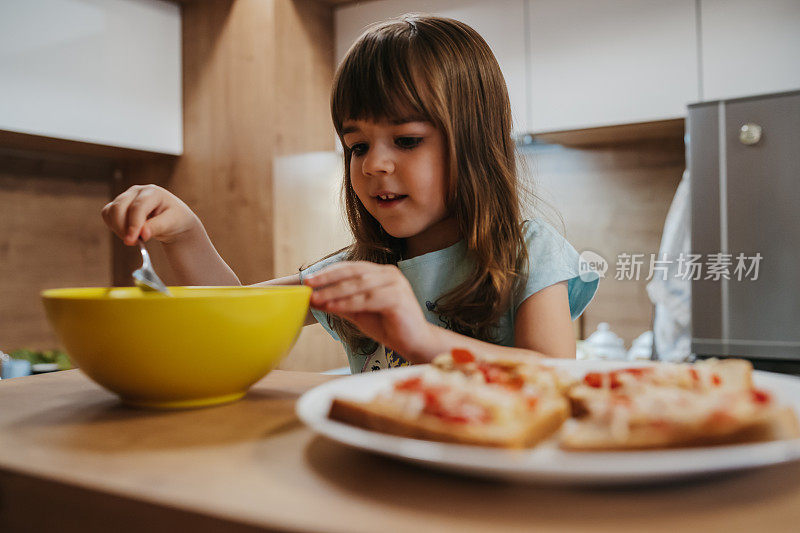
(100, 71)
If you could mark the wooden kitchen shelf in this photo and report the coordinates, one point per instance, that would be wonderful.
(51, 145)
(619, 134)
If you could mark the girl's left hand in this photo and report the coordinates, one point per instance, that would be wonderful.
(377, 299)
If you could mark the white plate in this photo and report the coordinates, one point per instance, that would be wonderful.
(546, 462)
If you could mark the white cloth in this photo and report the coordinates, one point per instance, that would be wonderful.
(672, 296)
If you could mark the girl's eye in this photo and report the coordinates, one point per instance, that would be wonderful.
(359, 149)
(407, 143)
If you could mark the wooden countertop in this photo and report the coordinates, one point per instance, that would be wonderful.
(72, 458)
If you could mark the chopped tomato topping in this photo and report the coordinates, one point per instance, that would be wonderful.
(409, 384)
(533, 401)
(433, 406)
(460, 416)
(595, 379)
(759, 396)
(515, 383)
(636, 372)
(499, 375)
(461, 356)
(716, 380)
(431, 396)
(694, 374)
(489, 372)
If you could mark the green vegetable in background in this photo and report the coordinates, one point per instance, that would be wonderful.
(36, 357)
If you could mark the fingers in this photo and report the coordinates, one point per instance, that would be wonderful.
(114, 213)
(379, 295)
(348, 286)
(127, 213)
(340, 271)
(159, 224)
(354, 286)
(145, 204)
(348, 278)
(373, 300)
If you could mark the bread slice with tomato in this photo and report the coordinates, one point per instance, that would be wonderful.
(665, 405)
(712, 375)
(459, 408)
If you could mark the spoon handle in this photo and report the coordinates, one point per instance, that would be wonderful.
(145, 255)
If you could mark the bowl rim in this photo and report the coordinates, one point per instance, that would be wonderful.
(94, 294)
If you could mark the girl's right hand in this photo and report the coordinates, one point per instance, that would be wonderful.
(149, 211)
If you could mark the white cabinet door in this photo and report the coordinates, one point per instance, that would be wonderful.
(603, 62)
(106, 72)
(500, 22)
(749, 47)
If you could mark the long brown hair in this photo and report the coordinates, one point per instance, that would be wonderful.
(441, 70)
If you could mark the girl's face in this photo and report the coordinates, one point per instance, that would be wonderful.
(398, 171)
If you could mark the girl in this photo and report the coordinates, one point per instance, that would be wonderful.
(441, 257)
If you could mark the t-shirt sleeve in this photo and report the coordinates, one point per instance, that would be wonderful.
(551, 260)
(322, 317)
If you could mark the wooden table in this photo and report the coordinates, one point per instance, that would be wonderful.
(72, 458)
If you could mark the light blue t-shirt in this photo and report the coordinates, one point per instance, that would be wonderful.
(551, 260)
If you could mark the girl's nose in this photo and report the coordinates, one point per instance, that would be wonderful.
(377, 162)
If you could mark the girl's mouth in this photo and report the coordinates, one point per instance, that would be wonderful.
(390, 200)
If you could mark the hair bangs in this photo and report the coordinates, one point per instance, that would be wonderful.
(377, 81)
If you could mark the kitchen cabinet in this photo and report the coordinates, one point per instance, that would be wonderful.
(611, 62)
(577, 64)
(500, 22)
(749, 48)
(107, 72)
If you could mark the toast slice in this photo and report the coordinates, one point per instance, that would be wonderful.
(588, 436)
(451, 407)
(664, 417)
(712, 375)
(522, 433)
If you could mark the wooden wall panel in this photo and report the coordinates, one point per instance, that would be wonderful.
(304, 68)
(51, 235)
(225, 172)
(304, 72)
(257, 76)
(613, 199)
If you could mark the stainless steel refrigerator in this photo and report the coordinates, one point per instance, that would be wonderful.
(744, 162)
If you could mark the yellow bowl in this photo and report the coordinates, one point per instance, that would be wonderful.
(202, 346)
